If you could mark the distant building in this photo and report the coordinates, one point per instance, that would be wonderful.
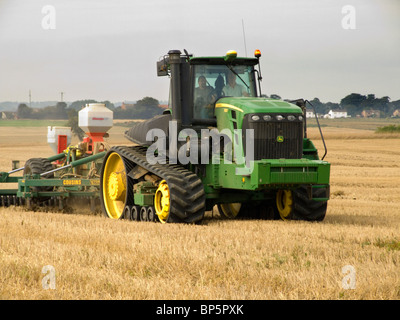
(396, 113)
(124, 105)
(309, 114)
(371, 113)
(335, 114)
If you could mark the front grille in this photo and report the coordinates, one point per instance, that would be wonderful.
(275, 139)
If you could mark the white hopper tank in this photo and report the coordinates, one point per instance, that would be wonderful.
(95, 118)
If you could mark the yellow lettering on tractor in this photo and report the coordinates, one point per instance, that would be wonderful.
(71, 182)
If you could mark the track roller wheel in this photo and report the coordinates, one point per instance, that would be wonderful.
(151, 214)
(143, 214)
(135, 213)
(127, 212)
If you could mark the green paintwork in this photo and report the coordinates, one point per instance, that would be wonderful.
(260, 105)
(144, 193)
(264, 174)
(309, 150)
(62, 187)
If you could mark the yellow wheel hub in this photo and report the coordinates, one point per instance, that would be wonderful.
(114, 186)
(162, 201)
(284, 203)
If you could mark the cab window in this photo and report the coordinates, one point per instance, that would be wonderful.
(212, 82)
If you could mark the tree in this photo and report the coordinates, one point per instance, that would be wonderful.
(331, 106)
(79, 104)
(73, 122)
(352, 103)
(60, 110)
(354, 99)
(384, 104)
(319, 106)
(145, 108)
(24, 111)
(147, 102)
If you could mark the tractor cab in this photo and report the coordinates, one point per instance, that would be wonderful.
(197, 83)
(217, 77)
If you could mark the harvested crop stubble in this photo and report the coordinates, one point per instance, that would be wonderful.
(98, 258)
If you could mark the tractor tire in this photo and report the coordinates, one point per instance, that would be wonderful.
(232, 210)
(39, 166)
(264, 210)
(296, 205)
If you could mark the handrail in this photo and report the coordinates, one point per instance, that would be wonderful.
(319, 127)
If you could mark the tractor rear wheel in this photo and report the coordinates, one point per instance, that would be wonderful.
(296, 204)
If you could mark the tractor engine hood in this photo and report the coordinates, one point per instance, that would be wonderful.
(248, 105)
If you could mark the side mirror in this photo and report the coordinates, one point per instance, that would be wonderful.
(162, 67)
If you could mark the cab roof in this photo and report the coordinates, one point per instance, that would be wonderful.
(221, 60)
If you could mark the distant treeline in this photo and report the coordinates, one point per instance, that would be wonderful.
(355, 104)
(148, 107)
(143, 109)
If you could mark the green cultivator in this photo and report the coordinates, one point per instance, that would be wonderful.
(44, 183)
(69, 178)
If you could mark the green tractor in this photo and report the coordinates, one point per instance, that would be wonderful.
(220, 143)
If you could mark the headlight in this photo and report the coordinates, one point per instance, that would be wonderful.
(291, 117)
(267, 117)
(301, 118)
(255, 118)
(279, 117)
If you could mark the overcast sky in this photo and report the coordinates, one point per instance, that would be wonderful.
(107, 50)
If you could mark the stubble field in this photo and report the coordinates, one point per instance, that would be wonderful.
(97, 258)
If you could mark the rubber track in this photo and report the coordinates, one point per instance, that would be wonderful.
(187, 197)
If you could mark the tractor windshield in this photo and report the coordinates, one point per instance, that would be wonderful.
(212, 82)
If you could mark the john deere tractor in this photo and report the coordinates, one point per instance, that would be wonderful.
(220, 143)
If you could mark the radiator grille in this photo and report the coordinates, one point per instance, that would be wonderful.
(275, 139)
